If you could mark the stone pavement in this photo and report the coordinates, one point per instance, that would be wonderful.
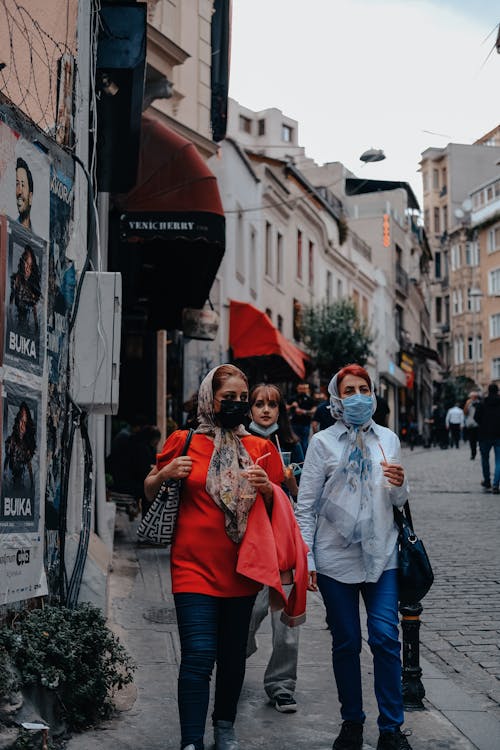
(459, 526)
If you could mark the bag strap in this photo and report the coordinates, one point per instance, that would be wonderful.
(188, 441)
(405, 513)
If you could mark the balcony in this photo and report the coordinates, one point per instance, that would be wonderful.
(402, 281)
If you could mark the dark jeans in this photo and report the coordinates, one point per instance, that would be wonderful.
(212, 630)
(455, 430)
(472, 438)
(342, 609)
(485, 447)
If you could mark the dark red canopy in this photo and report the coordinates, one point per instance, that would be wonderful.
(252, 334)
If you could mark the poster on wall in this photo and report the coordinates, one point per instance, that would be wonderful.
(25, 295)
(21, 451)
(24, 182)
(61, 294)
(22, 573)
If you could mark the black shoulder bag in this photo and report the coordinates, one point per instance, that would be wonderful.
(415, 576)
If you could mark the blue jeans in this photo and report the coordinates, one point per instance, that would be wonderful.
(342, 609)
(485, 447)
(212, 630)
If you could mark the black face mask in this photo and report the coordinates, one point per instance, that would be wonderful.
(232, 413)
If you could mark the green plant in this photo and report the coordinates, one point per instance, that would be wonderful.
(8, 682)
(335, 336)
(72, 652)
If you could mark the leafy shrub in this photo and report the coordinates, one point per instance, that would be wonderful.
(72, 652)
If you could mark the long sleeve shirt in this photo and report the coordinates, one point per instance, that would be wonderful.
(455, 415)
(329, 554)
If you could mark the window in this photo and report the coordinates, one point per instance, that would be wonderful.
(473, 300)
(445, 218)
(456, 257)
(286, 133)
(437, 264)
(460, 301)
(494, 281)
(240, 244)
(470, 348)
(364, 308)
(329, 287)
(436, 221)
(495, 368)
(252, 271)
(245, 124)
(479, 347)
(443, 178)
(454, 302)
(495, 326)
(279, 259)
(458, 350)
(471, 254)
(340, 291)
(299, 254)
(268, 264)
(426, 219)
(439, 309)
(311, 264)
(261, 127)
(269, 313)
(435, 179)
(425, 181)
(279, 323)
(355, 299)
(493, 242)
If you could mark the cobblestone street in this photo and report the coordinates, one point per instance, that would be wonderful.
(460, 525)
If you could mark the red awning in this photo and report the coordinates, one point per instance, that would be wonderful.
(251, 334)
(175, 196)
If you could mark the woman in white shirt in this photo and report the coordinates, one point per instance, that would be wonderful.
(351, 478)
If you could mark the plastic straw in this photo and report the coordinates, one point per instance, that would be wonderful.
(279, 449)
(262, 457)
(382, 451)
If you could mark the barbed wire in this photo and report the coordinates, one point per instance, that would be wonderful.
(30, 77)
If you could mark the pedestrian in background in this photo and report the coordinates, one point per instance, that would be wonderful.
(301, 407)
(487, 416)
(229, 503)
(471, 426)
(351, 478)
(270, 420)
(455, 422)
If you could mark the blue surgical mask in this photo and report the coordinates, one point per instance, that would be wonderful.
(264, 432)
(358, 409)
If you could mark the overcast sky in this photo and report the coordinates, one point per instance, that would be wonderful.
(358, 74)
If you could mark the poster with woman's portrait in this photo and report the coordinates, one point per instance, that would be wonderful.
(25, 300)
(21, 438)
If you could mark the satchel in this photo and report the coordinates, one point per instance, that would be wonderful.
(158, 525)
(415, 576)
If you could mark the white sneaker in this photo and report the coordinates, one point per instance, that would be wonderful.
(189, 747)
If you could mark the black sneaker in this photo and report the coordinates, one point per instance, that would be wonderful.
(486, 486)
(393, 741)
(496, 490)
(350, 737)
(284, 703)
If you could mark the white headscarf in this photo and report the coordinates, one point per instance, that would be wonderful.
(350, 488)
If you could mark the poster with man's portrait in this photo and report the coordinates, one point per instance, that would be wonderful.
(21, 438)
(25, 300)
(24, 182)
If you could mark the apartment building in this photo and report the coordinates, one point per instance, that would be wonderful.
(448, 176)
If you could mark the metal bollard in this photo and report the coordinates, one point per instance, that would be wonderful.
(413, 689)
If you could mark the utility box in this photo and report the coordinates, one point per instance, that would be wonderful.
(95, 380)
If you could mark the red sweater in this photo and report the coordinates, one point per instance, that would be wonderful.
(203, 557)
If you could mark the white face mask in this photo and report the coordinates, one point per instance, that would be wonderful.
(264, 432)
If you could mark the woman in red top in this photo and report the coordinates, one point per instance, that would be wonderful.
(224, 471)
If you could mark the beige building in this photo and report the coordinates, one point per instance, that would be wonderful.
(448, 176)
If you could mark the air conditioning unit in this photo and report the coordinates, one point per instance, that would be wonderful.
(95, 376)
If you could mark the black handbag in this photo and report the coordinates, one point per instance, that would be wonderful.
(158, 524)
(415, 576)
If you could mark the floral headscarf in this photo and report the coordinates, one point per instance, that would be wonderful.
(231, 492)
(350, 487)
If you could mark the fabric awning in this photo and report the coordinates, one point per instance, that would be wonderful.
(171, 226)
(252, 334)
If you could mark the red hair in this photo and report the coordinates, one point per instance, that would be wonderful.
(356, 370)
